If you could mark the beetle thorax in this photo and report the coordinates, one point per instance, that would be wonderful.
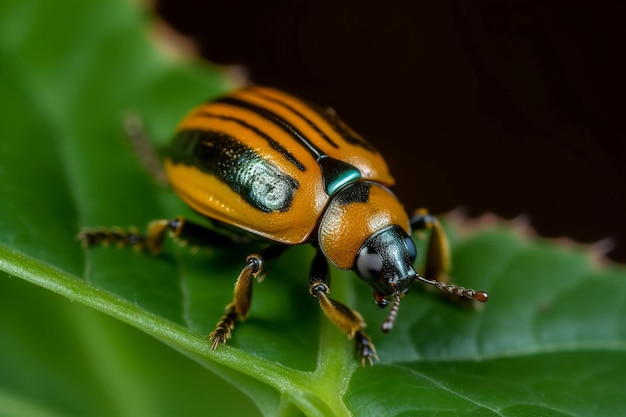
(353, 215)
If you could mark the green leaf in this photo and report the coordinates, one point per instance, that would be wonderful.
(550, 342)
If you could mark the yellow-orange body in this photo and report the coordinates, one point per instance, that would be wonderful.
(269, 163)
(263, 161)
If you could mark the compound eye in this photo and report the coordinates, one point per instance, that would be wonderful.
(369, 265)
(410, 247)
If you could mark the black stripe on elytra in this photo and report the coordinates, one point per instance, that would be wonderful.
(273, 143)
(277, 120)
(301, 116)
(340, 127)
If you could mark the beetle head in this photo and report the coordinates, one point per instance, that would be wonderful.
(385, 262)
(362, 229)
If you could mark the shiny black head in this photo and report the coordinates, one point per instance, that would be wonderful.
(385, 262)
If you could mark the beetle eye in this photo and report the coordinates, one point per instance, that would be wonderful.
(410, 247)
(369, 265)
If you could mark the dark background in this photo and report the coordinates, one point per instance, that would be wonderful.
(510, 107)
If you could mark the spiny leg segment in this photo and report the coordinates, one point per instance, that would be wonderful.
(346, 319)
(242, 295)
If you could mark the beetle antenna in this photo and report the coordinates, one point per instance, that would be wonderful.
(481, 296)
(391, 317)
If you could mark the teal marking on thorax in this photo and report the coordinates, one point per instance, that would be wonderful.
(337, 174)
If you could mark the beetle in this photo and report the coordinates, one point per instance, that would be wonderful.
(278, 168)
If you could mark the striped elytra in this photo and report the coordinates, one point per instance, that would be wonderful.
(267, 162)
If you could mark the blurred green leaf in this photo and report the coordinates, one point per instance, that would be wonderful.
(550, 341)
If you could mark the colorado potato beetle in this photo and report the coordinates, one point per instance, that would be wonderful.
(288, 172)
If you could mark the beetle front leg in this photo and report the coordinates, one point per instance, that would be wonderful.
(438, 263)
(346, 319)
(438, 259)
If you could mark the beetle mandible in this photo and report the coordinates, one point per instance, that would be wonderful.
(286, 171)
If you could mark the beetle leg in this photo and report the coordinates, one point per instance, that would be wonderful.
(438, 259)
(242, 298)
(146, 153)
(438, 263)
(118, 236)
(242, 295)
(180, 228)
(346, 319)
